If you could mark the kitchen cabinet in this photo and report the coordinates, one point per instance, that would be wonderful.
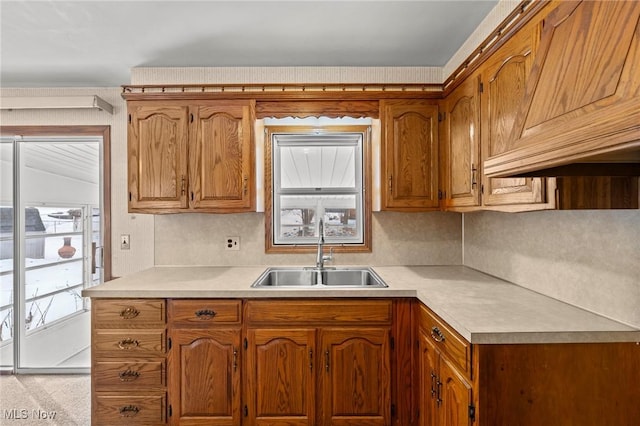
(128, 362)
(445, 393)
(525, 384)
(581, 99)
(409, 155)
(191, 156)
(476, 122)
(313, 362)
(502, 85)
(204, 362)
(461, 141)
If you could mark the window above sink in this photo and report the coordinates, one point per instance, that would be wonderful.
(312, 173)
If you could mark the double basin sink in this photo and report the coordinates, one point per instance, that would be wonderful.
(319, 278)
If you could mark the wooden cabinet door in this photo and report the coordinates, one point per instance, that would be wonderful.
(280, 377)
(221, 157)
(503, 89)
(204, 377)
(410, 155)
(157, 156)
(454, 396)
(428, 357)
(355, 376)
(462, 140)
(581, 99)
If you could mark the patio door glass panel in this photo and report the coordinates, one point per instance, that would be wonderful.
(57, 193)
(6, 253)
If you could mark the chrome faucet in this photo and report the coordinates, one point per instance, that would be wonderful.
(320, 257)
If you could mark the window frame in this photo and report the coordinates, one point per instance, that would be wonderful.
(346, 247)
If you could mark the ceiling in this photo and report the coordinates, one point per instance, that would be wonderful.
(96, 43)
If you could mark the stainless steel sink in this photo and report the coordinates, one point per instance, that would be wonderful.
(319, 278)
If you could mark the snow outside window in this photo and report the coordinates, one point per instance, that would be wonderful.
(317, 175)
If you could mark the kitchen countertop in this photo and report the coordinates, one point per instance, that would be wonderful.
(482, 308)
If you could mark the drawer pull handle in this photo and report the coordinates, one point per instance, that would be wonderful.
(129, 411)
(127, 344)
(128, 375)
(129, 312)
(436, 334)
(205, 314)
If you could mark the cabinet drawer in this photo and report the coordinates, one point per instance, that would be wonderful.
(130, 409)
(320, 311)
(196, 312)
(129, 343)
(124, 313)
(449, 342)
(125, 375)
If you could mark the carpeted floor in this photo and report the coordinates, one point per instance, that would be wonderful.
(63, 400)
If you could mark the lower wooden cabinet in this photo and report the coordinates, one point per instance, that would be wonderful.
(343, 362)
(460, 384)
(128, 362)
(309, 364)
(445, 393)
(204, 362)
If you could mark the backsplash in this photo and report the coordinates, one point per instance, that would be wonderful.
(590, 259)
(398, 239)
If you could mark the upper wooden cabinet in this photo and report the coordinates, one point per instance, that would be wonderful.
(409, 155)
(476, 122)
(502, 84)
(461, 142)
(157, 155)
(582, 98)
(191, 156)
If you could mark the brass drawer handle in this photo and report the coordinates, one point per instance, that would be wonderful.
(436, 334)
(205, 314)
(129, 312)
(128, 375)
(129, 411)
(128, 344)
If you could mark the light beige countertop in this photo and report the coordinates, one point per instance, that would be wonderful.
(482, 308)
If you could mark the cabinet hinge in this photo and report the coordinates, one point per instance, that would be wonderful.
(393, 410)
(170, 411)
(191, 115)
(442, 116)
(191, 195)
(246, 343)
(392, 343)
(129, 118)
(472, 413)
(169, 343)
(481, 87)
(246, 411)
(482, 189)
(441, 194)
(129, 196)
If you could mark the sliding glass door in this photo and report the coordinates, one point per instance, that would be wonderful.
(52, 236)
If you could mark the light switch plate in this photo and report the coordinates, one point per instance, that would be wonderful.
(125, 242)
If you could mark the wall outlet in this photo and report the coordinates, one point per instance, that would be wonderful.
(232, 243)
(125, 242)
